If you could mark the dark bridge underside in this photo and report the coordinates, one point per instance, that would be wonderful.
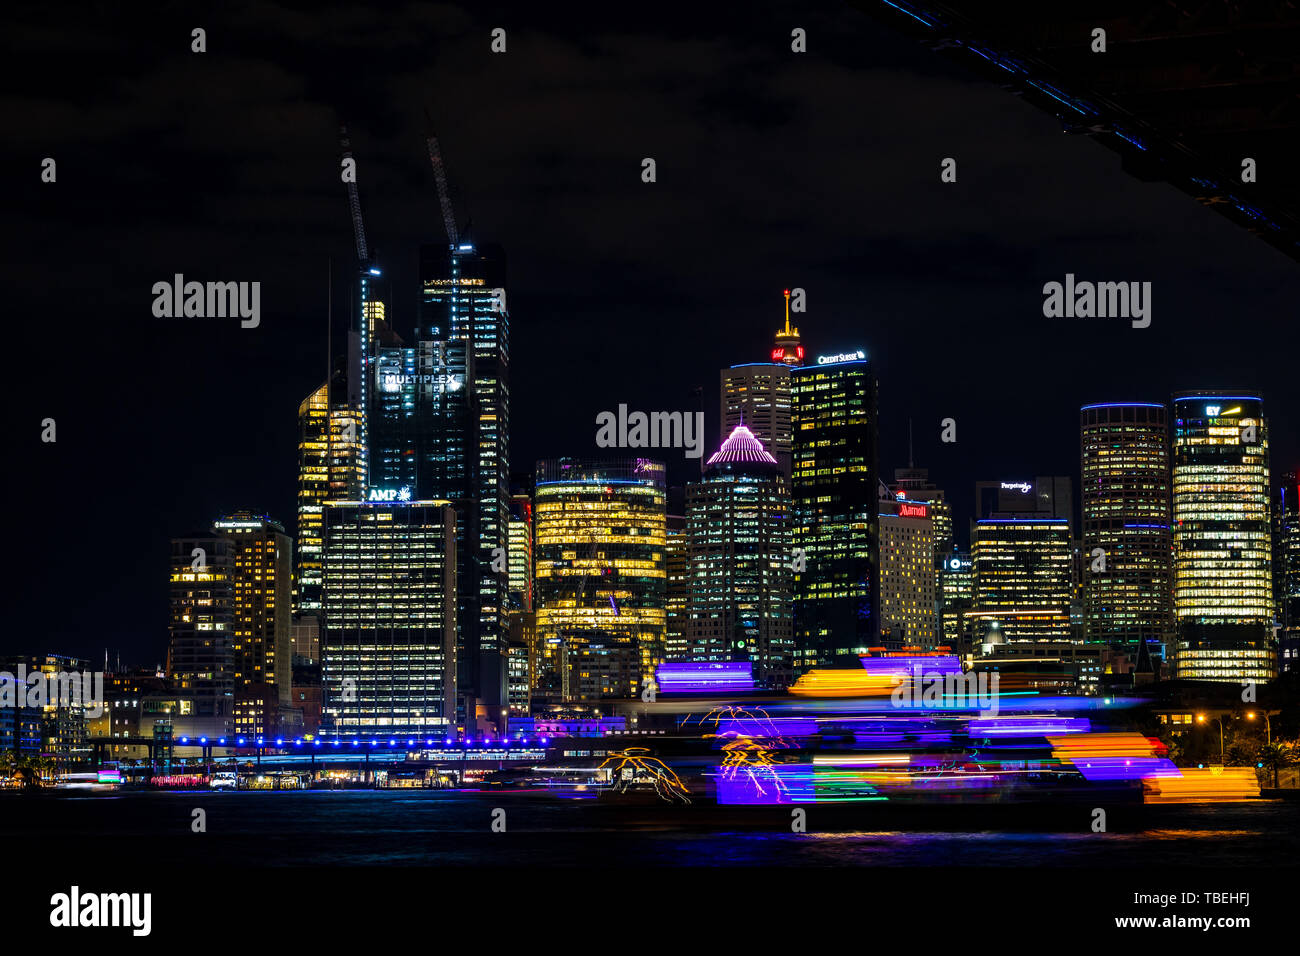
(1184, 92)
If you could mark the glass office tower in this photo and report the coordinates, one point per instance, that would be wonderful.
(1286, 569)
(331, 465)
(600, 574)
(738, 550)
(201, 646)
(1023, 569)
(678, 588)
(463, 302)
(1223, 588)
(836, 529)
(388, 643)
(1128, 587)
(262, 644)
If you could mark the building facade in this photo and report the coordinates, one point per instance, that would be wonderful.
(1127, 551)
(1022, 570)
(263, 636)
(521, 553)
(836, 528)
(908, 600)
(740, 583)
(331, 465)
(676, 565)
(1223, 573)
(758, 396)
(600, 575)
(201, 631)
(1286, 570)
(389, 638)
(463, 300)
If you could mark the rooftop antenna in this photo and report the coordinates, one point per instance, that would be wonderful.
(909, 444)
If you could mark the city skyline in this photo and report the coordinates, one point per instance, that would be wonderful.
(942, 289)
(780, 439)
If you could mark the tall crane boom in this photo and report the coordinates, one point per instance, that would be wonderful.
(354, 205)
(440, 180)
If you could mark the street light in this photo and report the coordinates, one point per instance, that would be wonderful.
(1268, 727)
(1200, 718)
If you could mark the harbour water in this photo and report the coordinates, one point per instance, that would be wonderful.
(436, 828)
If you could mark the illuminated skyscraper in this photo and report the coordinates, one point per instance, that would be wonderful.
(1023, 569)
(262, 645)
(907, 574)
(389, 640)
(200, 652)
(738, 549)
(599, 552)
(957, 592)
(521, 552)
(836, 529)
(758, 396)
(678, 588)
(1223, 588)
(1128, 587)
(1286, 569)
(331, 464)
(914, 484)
(463, 299)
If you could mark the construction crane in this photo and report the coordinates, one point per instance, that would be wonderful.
(440, 180)
(354, 205)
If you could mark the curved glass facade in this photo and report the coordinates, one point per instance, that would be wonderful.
(599, 542)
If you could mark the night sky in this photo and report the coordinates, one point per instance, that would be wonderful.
(774, 170)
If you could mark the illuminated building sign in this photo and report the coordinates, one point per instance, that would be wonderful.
(842, 357)
(1212, 409)
(913, 510)
(238, 524)
(389, 494)
(1023, 487)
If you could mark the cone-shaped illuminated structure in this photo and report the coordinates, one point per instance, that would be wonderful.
(741, 447)
(738, 526)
